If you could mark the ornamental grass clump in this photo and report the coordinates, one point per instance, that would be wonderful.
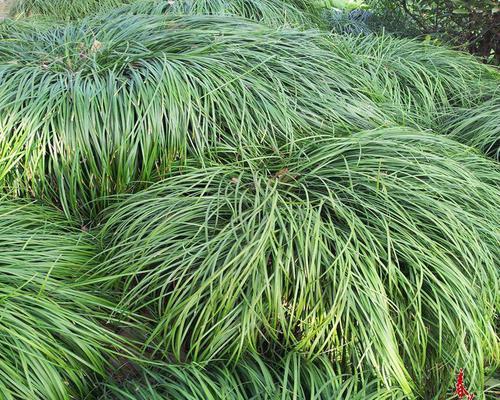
(277, 13)
(52, 334)
(273, 215)
(63, 9)
(270, 12)
(417, 81)
(478, 127)
(92, 107)
(377, 250)
(413, 82)
(289, 377)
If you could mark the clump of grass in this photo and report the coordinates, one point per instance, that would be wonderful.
(278, 13)
(63, 9)
(52, 334)
(416, 81)
(478, 127)
(377, 250)
(271, 12)
(289, 377)
(95, 106)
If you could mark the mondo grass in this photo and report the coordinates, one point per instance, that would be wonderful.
(478, 127)
(287, 378)
(278, 13)
(94, 106)
(377, 250)
(417, 81)
(271, 12)
(53, 336)
(63, 9)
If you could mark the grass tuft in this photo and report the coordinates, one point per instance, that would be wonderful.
(90, 108)
(287, 378)
(276, 13)
(55, 338)
(365, 249)
(416, 82)
(271, 12)
(478, 127)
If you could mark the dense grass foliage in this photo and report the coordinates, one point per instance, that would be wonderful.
(63, 9)
(89, 108)
(417, 81)
(275, 211)
(288, 378)
(52, 335)
(271, 12)
(478, 127)
(366, 249)
(277, 13)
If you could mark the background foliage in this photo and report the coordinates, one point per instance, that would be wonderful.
(471, 25)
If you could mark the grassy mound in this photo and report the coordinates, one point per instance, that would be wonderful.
(478, 127)
(416, 81)
(308, 235)
(270, 12)
(276, 13)
(63, 9)
(53, 338)
(367, 249)
(89, 108)
(287, 378)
